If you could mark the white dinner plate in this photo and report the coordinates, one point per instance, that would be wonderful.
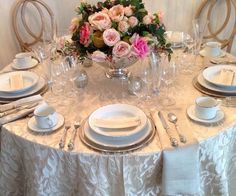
(31, 64)
(211, 73)
(117, 111)
(204, 54)
(30, 79)
(33, 126)
(39, 86)
(204, 83)
(191, 114)
(100, 140)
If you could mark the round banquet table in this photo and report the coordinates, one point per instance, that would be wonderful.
(32, 164)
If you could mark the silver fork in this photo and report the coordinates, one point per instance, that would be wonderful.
(63, 138)
(72, 139)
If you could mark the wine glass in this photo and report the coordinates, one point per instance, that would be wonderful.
(168, 78)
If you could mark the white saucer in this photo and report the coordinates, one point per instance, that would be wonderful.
(191, 114)
(203, 53)
(33, 126)
(30, 65)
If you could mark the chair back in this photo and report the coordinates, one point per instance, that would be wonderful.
(23, 11)
(225, 32)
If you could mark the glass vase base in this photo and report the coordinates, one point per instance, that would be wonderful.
(117, 73)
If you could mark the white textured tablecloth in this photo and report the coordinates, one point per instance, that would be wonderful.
(32, 164)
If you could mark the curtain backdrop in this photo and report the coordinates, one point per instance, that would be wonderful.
(177, 16)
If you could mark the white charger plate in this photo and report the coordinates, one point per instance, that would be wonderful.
(30, 79)
(39, 86)
(191, 114)
(204, 83)
(204, 54)
(33, 126)
(211, 72)
(116, 111)
(31, 64)
(107, 142)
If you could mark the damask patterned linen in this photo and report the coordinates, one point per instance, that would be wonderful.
(32, 164)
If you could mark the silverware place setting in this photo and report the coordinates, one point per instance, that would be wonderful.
(63, 138)
(72, 139)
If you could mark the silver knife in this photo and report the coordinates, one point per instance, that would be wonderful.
(173, 141)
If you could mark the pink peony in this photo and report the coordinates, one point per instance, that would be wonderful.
(123, 26)
(128, 11)
(100, 21)
(140, 47)
(74, 25)
(133, 21)
(117, 13)
(148, 19)
(111, 37)
(84, 34)
(121, 49)
(99, 56)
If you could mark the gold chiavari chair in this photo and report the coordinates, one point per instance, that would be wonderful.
(228, 10)
(25, 8)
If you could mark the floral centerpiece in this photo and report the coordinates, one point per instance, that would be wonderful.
(116, 33)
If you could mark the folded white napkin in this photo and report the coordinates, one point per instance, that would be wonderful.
(225, 77)
(180, 174)
(116, 123)
(20, 102)
(14, 117)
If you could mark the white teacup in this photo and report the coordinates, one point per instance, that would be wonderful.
(206, 107)
(23, 58)
(212, 49)
(45, 116)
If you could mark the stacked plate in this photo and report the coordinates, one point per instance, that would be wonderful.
(31, 84)
(117, 128)
(218, 81)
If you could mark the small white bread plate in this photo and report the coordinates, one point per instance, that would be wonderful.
(31, 64)
(118, 111)
(191, 114)
(30, 79)
(204, 54)
(210, 74)
(33, 126)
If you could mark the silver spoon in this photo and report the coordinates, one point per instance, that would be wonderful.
(63, 138)
(72, 140)
(173, 119)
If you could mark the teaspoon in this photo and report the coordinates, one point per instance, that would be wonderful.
(173, 119)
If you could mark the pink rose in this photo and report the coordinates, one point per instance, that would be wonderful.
(99, 56)
(100, 21)
(140, 47)
(128, 11)
(111, 37)
(147, 19)
(123, 26)
(105, 10)
(116, 13)
(133, 21)
(161, 16)
(84, 34)
(74, 25)
(121, 49)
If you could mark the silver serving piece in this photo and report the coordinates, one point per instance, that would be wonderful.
(63, 138)
(81, 79)
(173, 141)
(72, 140)
(173, 119)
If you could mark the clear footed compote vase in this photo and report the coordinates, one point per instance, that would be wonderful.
(118, 68)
